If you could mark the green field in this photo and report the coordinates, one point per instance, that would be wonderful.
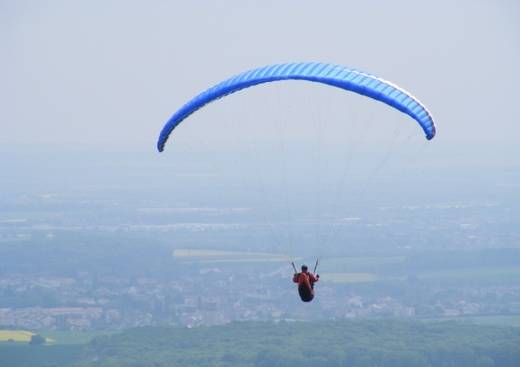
(398, 268)
(71, 337)
(63, 348)
(477, 275)
(26, 355)
(498, 320)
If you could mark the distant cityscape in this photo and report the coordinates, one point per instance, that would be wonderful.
(100, 256)
(216, 296)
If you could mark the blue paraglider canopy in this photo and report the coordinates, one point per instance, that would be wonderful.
(334, 75)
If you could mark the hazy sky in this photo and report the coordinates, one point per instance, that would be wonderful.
(95, 81)
(112, 72)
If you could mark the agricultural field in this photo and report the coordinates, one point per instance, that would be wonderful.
(396, 269)
(366, 264)
(51, 337)
(71, 337)
(349, 277)
(22, 336)
(476, 275)
(62, 348)
(26, 355)
(216, 256)
(497, 320)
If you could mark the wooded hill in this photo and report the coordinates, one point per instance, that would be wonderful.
(367, 343)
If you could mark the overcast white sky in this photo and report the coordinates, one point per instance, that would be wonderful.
(100, 72)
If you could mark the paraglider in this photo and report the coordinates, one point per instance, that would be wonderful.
(334, 75)
(329, 74)
(305, 281)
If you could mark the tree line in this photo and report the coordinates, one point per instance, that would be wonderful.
(364, 343)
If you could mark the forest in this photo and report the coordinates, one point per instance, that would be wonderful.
(359, 343)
